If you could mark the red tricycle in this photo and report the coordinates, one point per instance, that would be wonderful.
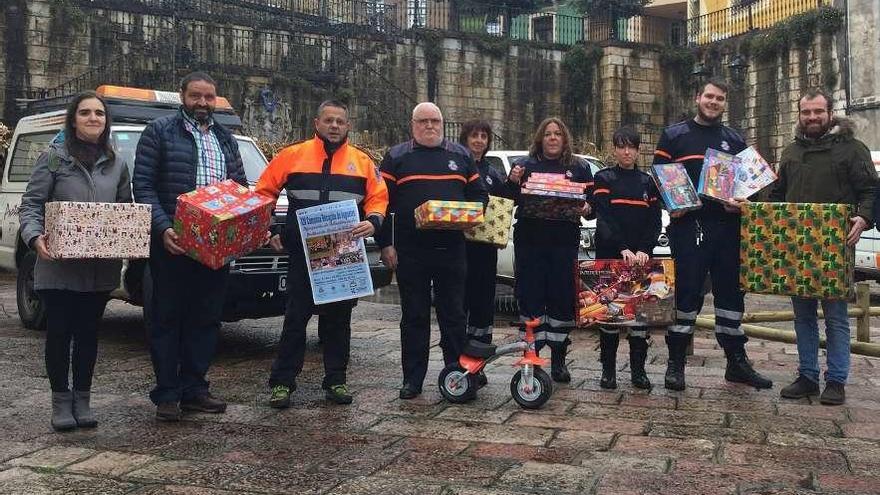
(530, 386)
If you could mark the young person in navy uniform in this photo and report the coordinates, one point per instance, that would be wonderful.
(706, 242)
(628, 223)
(546, 250)
(428, 167)
(482, 258)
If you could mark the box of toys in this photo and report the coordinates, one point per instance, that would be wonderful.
(552, 197)
(222, 222)
(495, 229)
(796, 249)
(612, 292)
(85, 230)
(449, 215)
(675, 187)
(718, 177)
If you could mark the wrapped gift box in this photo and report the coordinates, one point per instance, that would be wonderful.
(449, 215)
(610, 292)
(718, 177)
(97, 230)
(675, 187)
(495, 229)
(796, 249)
(222, 222)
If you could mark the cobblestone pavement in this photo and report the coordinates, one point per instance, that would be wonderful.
(713, 438)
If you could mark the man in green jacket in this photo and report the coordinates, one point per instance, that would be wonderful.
(825, 164)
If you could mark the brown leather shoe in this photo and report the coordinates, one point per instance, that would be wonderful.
(168, 411)
(204, 403)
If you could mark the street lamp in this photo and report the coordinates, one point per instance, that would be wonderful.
(739, 68)
(700, 73)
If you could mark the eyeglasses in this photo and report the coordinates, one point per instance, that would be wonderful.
(423, 122)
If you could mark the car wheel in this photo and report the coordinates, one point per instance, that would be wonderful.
(31, 310)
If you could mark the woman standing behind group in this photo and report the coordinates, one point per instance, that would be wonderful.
(83, 168)
(546, 250)
(482, 258)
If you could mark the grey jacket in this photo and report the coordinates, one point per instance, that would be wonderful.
(108, 182)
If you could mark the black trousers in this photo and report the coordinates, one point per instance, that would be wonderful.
(335, 331)
(479, 300)
(418, 271)
(72, 316)
(545, 290)
(716, 253)
(187, 306)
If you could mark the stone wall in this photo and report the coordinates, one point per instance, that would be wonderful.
(864, 69)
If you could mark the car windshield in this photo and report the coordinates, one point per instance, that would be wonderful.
(254, 163)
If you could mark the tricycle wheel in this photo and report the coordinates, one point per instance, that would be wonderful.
(531, 395)
(456, 384)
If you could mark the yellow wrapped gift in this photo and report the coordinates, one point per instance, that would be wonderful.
(449, 215)
(495, 229)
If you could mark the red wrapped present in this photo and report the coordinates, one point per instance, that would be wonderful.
(222, 222)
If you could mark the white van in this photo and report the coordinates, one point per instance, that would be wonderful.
(868, 247)
(503, 160)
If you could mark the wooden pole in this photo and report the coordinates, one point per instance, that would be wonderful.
(863, 301)
(768, 316)
(777, 335)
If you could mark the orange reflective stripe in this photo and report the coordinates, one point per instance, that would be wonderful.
(388, 176)
(431, 177)
(663, 154)
(473, 177)
(634, 202)
(689, 157)
(602, 191)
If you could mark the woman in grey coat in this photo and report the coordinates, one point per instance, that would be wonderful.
(84, 168)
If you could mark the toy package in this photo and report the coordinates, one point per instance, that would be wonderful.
(495, 229)
(222, 222)
(552, 197)
(753, 173)
(611, 292)
(796, 249)
(718, 177)
(675, 187)
(449, 215)
(82, 230)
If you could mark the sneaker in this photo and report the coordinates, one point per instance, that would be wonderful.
(833, 395)
(280, 398)
(338, 394)
(203, 403)
(168, 411)
(802, 387)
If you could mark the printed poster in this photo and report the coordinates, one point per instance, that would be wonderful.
(337, 262)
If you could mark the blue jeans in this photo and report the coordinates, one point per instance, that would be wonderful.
(806, 326)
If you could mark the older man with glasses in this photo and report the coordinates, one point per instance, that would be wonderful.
(428, 167)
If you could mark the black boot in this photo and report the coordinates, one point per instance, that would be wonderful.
(558, 370)
(638, 353)
(677, 344)
(608, 356)
(739, 368)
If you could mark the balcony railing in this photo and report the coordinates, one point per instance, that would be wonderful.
(639, 29)
(746, 16)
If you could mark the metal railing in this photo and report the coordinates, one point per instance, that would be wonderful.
(465, 16)
(639, 29)
(745, 16)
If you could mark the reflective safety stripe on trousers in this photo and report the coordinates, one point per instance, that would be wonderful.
(479, 332)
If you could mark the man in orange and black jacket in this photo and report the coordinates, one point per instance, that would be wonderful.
(321, 170)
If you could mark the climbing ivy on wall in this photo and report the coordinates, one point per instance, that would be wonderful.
(798, 31)
(579, 66)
